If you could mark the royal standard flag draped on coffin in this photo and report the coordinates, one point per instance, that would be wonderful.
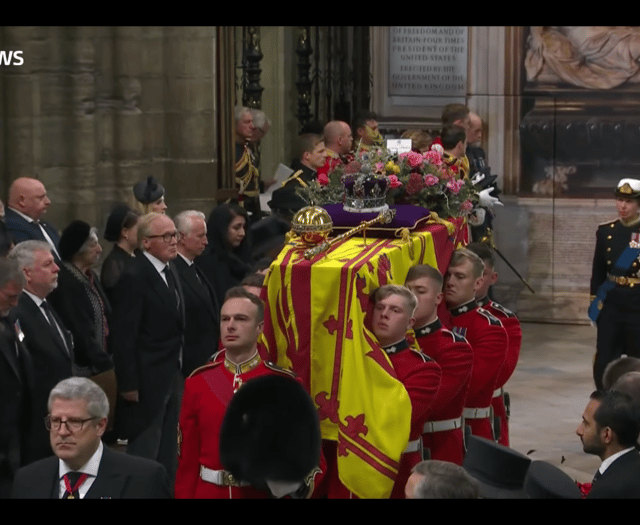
(315, 325)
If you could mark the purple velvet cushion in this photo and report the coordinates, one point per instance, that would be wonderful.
(407, 216)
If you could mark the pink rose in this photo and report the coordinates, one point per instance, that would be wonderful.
(466, 206)
(455, 185)
(433, 157)
(379, 167)
(431, 180)
(413, 159)
(393, 181)
(323, 179)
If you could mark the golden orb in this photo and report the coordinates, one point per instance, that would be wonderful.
(313, 224)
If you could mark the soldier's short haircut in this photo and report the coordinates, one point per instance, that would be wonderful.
(444, 480)
(306, 144)
(238, 292)
(424, 270)
(395, 289)
(483, 251)
(617, 368)
(462, 254)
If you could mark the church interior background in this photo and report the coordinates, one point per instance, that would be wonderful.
(93, 110)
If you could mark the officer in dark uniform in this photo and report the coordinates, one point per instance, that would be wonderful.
(619, 309)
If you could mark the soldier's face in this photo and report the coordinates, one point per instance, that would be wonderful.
(429, 296)
(489, 278)
(627, 208)
(318, 156)
(460, 285)
(391, 319)
(239, 324)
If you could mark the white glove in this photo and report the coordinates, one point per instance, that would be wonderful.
(477, 178)
(487, 200)
(477, 216)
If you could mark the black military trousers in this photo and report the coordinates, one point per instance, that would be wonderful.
(618, 333)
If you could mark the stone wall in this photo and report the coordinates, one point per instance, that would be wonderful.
(93, 110)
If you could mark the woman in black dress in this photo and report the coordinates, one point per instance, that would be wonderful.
(227, 258)
(121, 229)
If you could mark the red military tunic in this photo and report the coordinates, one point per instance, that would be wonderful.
(489, 342)
(420, 376)
(514, 333)
(207, 393)
(454, 355)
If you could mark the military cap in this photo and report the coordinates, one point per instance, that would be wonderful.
(499, 470)
(629, 188)
(148, 191)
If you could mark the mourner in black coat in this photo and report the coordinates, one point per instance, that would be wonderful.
(202, 310)
(147, 341)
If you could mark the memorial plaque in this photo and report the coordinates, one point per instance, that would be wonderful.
(428, 61)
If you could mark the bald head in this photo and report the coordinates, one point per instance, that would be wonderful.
(338, 137)
(28, 196)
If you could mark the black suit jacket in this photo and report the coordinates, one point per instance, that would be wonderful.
(202, 317)
(22, 230)
(16, 390)
(51, 362)
(146, 340)
(621, 480)
(119, 476)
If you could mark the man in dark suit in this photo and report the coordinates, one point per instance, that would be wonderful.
(47, 339)
(27, 203)
(202, 312)
(609, 429)
(83, 466)
(16, 381)
(147, 340)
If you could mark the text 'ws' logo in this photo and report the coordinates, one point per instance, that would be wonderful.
(11, 58)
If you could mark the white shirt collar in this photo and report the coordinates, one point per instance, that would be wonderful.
(157, 263)
(36, 299)
(607, 462)
(188, 261)
(90, 467)
(25, 217)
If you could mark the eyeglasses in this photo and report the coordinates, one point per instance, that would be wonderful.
(73, 424)
(167, 236)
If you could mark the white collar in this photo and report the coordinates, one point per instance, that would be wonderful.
(25, 217)
(35, 298)
(607, 462)
(157, 263)
(188, 261)
(90, 467)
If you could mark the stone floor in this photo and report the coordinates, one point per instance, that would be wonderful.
(549, 391)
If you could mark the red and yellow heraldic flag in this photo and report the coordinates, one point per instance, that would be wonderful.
(314, 325)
